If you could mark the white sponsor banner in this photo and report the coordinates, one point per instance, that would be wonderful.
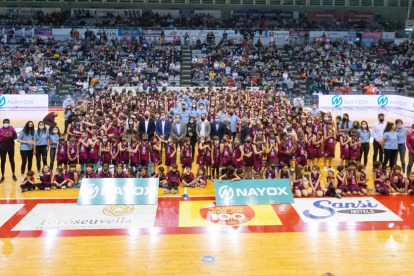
(28, 11)
(388, 35)
(7, 211)
(24, 101)
(328, 34)
(346, 209)
(278, 33)
(366, 101)
(116, 12)
(72, 217)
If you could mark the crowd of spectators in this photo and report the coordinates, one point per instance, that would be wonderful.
(37, 19)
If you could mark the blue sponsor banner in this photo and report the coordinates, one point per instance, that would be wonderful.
(118, 191)
(43, 31)
(129, 32)
(28, 32)
(253, 192)
(287, 14)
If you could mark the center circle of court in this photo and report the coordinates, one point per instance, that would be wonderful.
(228, 215)
(118, 210)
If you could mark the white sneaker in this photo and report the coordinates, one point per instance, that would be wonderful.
(324, 169)
(38, 175)
(331, 169)
(22, 178)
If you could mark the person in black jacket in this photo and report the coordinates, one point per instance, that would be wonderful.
(227, 130)
(192, 134)
(147, 125)
(217, 129)
(244, 131)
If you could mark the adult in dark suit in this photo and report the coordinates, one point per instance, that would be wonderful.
(147, 126)
(244, 131)
(178, 132)
(217, 129)
(163, 129)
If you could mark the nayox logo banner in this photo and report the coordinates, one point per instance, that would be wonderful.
(336, 101)
(253, 192)
(136, 191)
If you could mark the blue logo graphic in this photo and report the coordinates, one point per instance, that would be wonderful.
(346, 208)
(382, 100)
(337, 101)
(2, 100)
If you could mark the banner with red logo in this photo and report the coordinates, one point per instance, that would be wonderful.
(371, 35)
(298, 33)
(322, 39)
(344, 15)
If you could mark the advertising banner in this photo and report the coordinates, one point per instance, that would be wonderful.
(18, 32)
(129, 32)
(151, 32)
(343, 210)
(278, 33)
(43, 31)
(105, 12)
(371, 35)
(344, 15)
(99, 191)
(298, 33)
(12, 101)
(322, 39)
(27, 11)
(366, 101)
(171, 38)
(28, 32)
(253, 192)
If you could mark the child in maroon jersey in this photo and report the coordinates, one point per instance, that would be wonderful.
(317, 143)
(240, 174)
(284, 172)
(344, 142)
(225, 153)
(123, 148)
(144, 151)
(186, 158)
(162, 178)
(355, 147)
(62, 152)
(155, 156)
(236, 159)
(215, 160)
(229, 175)
(209, 157)
(143, 173)
(94, 150)
(272, 149)
(89, 173)
(46, 179)
(201, 179)
(247, 153)
(170, 151)
(134, 150)
(29, 182)
(105, 172)
(362, 180)
(315, 185)
(301, 155)
(298, 180)
(130, 173)
(201, 157)
(72, 176)
(73, 150)
(115, 155)
(351, 178)
(119, 173)
(270, 171)
(105, 150)
(188, 178)
(409, 184)
(329, 145)
(397, 179)
(59, 179)
(83, 148)
(173, 178)
(258, 150)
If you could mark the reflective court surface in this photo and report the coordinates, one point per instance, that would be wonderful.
(46, 233)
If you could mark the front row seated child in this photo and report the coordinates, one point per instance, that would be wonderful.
(28, 182)
(188, 178)
(89, 173)
(162, 178)
(298, 180)
(229, 175)
(105, 172)
(130, 173)
(173, 178)
(119, 172)
(397, 179)
(380, 179)
(59, 179)
(201, 178)
(331, 186)
(362, 180)
(409, 184)
(315, 185)
(46, 179)
(72, 176)
(144, 173)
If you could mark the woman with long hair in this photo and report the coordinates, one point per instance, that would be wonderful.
(389, 143)
(27, 141)
(42, 145)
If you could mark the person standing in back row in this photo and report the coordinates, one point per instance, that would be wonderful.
(7, 137)
(377, 132)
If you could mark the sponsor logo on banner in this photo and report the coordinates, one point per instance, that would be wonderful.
(298, 33)
(331, 15)
(12, 101)
(118, 191)
(382, 101)
(229, 215)
(278, 33)
(322, 39)
(253, 192)
(45, 32)
(129, 32)
(28, 32)
(152, 32)
(343, 210)
(74, 217)
(337, 101)
(171, 38)
(28, 11)
(18, 32)
(371, 35)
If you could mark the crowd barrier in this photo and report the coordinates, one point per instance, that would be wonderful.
(336, 101)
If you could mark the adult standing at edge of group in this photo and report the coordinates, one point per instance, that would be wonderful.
(7, 137)
(410, 145)
(27, 141)
(377, 132)
(244, 131)
(401, 133)
(178, 132)
(389, 143)
(365, 134)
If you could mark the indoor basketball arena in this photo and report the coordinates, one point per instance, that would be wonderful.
(206, 137)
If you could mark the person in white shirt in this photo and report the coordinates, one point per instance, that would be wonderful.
(377, 132)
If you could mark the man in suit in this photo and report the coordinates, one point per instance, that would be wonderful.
(203, 127)
(178, 132)
(244, 131)
(147, 126)
(217, 128)
(163, 129)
